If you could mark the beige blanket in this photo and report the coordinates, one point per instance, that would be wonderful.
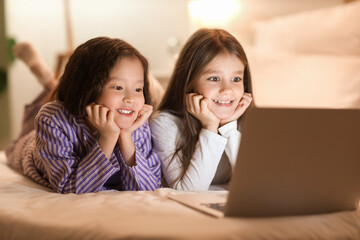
(29, 211)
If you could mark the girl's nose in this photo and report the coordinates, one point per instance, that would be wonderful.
(225, 88)
(129, 97)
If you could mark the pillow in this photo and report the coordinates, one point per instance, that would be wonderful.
(310, 81)
(334, 30)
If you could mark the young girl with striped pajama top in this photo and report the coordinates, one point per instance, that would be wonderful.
(95, 135)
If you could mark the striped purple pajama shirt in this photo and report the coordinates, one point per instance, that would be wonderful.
(67, 156)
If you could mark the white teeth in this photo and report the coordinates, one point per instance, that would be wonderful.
(124, 111)
(223, 102)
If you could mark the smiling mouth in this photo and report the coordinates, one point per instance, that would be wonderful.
(125, 112)
(223, 102)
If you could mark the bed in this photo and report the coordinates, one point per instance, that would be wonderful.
(30, 211)
(300, 60)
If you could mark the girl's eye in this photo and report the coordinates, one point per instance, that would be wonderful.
(138, 89)
(236, 79)
(118, 88)
(214, 79)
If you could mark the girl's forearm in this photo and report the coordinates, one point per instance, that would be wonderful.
(127, 148)
(107, 145)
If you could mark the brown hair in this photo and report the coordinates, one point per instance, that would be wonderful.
(199, 50)
(88, 69)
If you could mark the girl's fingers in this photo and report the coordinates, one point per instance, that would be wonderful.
(193, 102)
(196, 102)
(190, 103)
(89, 111)
(143, 116)
(95, 111)
(110, 116)
(204, 103)
(103, 112)
(246, 99)
(243, 105)
(145, 113)
(247, 96)
(147, 108)
(98, 113)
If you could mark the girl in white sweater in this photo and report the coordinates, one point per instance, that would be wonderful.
(196, 131)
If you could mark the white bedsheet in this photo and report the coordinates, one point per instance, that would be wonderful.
(29, 211)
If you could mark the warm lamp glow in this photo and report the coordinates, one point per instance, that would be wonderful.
(213, 13)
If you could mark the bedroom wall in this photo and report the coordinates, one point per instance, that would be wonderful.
(148, 24)
(257, 10)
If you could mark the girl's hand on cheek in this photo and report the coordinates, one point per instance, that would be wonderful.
(125, 140)
(143, 115)
(244, 103)
(197, 106)
(102, 119)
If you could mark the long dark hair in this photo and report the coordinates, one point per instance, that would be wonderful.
(203, 46)
(87, 72)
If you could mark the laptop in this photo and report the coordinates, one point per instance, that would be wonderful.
(290, 162)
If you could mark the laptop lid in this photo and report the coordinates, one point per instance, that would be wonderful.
(296, 161)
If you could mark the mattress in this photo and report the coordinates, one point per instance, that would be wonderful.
(30, 211)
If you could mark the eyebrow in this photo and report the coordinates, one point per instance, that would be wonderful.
(210, 71)
(115, 79)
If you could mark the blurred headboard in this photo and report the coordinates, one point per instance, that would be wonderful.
(299, 60)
